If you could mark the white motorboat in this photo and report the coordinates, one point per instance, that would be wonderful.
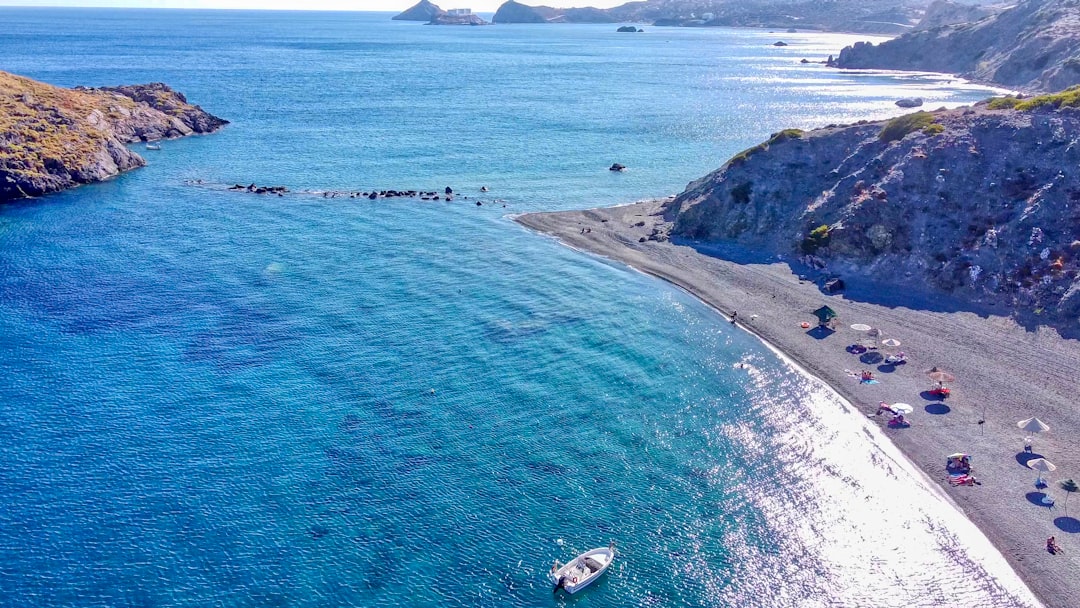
(150, 146)
(581, 571)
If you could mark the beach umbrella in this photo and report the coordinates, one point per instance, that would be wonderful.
(861, 327)
(824, 315)
(1033, 425)
(1041, 465)
(902, 408)
(940, 375)
(958, 455)
(890, 342)
(1069, 486)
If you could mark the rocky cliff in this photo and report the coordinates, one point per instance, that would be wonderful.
(421, 11)
(53, 138)
(981, 203)
(1034, 45)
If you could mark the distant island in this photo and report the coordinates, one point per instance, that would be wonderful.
(433, 15)
(1034, 46)
(56, 138)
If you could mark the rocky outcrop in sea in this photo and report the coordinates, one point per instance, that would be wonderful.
(1035, 45)
(54, 138)
(421, 11)
(981, 203)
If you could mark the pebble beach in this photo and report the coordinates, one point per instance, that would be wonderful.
(1005, 373)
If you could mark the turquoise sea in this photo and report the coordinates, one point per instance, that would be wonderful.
(219, 399)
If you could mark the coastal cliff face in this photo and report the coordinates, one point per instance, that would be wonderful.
(53, 138)
(975, 202)
(421, 11)
(1034, 45)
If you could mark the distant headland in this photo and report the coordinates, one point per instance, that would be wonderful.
(1033, 45)
(58, 138)
(869, 16)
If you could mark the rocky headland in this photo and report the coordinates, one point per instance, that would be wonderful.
(55, 138)
(516, 12)
(978, 203)
(1033, 46)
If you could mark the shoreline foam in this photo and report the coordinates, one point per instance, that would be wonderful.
(1004, 373)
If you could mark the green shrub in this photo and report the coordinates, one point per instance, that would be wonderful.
(1003, 103)
(818, 238)
(899, 127)
(784, 135)
(1069, 98)
(934, 129)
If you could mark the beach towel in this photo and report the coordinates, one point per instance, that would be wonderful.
(858, 376)
(961, 480)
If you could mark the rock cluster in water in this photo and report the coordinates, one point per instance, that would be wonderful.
(447, 194)
(976, 202)
(56, 138)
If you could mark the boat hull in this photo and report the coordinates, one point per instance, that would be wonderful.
(583, 570)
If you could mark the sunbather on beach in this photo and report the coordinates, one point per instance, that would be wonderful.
(1052, 546)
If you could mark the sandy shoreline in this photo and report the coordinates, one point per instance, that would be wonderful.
(1004, 373)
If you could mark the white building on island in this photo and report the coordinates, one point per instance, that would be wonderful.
(459, 12)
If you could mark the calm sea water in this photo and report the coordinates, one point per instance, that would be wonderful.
(216, 399)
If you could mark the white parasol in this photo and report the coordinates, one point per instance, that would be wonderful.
(1041, 465)
(902, 408)
(1033, 425)
(890, 342)
(861, 327)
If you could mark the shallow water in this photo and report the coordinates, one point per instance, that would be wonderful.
(214, 398)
